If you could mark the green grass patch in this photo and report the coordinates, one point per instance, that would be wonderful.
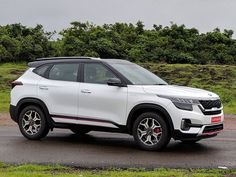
(9, 72)
(220, 79)
(30, 170)
(35, 168)
(4, 100)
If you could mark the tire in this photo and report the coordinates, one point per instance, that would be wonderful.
(155, 136)
(33, 116)
(189, 141)
(79, 130)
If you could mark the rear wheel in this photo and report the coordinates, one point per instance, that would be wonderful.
(32, 123)
(150, 131)
(79, 130)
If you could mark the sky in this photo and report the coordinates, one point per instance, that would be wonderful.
(205, 15)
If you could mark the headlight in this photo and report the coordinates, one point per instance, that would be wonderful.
(182, 103)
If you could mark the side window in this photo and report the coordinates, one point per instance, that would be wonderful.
(64, 72)
(97, 73)
(41, 70)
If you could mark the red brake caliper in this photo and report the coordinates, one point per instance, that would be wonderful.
(157, 130)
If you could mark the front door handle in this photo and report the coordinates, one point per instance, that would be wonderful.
(86, 91)
(43, 87)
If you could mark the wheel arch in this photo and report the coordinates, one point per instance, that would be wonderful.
(148, 107)
(36, 102)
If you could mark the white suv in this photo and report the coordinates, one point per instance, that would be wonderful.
(88, 94)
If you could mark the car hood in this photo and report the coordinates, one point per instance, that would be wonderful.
(181, 92)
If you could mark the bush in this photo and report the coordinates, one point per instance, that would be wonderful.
(170, 44)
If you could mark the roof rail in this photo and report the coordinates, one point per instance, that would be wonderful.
(58, 58)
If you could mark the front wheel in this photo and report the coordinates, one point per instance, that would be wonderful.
(32, 123)
(150, 131)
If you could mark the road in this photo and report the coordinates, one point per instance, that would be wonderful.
(106, 150)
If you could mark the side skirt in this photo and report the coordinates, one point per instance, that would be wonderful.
(68, 122)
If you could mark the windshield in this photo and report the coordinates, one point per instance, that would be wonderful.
(137, 74)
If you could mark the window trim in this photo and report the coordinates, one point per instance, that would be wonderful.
(80, 78)
(106, 66)
(123, 79)
(45, 73)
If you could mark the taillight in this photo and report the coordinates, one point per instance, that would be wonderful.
(15, 83)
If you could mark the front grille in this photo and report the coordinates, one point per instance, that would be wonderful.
(211, 112)
(209, 104)
(214, 128)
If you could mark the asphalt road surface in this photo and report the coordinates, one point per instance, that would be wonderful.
(107, 150)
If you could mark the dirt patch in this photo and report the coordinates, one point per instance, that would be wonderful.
(5, 120)
(230, 124)
(16, 72)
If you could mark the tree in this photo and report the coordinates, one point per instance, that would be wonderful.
(169, 44)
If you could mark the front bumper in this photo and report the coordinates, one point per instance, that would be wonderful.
(200, 125)
(205, 131)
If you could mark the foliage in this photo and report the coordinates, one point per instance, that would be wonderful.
(216, 78)
(31, 170)
(18, 42)
(169, 44)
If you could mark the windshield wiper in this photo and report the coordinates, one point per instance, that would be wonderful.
(160, 84)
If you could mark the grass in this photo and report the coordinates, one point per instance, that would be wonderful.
(8, 73)
(30, 170)
(220, 79)
(4, 100)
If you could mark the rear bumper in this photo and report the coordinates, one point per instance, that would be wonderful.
(13, 113)
(206, 131)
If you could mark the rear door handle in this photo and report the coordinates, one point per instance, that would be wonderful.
(86, 91)
(43, 87)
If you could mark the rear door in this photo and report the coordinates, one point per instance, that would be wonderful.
(60, 91)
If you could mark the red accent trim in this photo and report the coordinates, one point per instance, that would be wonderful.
(216, 119)
(212, 133)
(82, 118)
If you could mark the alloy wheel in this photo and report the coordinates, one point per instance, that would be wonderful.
(31, 122)
(149, 131)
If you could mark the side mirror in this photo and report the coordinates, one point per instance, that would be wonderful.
(115, 82)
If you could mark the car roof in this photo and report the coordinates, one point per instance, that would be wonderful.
(41, 61)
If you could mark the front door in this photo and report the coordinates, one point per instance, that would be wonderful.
(99, 103)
